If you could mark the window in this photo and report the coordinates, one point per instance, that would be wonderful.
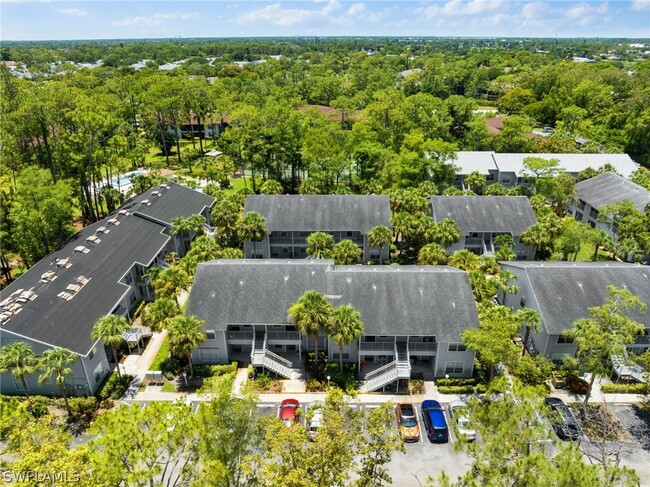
(454, 367)
(91, 355)
(564, 339)
(374, 255)
(132, 299)
(98, 372)
(128, 279)
(505, 180)
(369, 339)
(581, 204)
(457, 347)
(346, 353)
(578, 216)
(210, 335)
(489, 177)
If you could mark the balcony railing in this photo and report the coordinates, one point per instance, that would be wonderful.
(642, 339)
(423, 347)
(239, 335)
(282, 335)
(376, 346)
(474, 241)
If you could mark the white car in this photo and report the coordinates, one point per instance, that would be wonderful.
(316, 420)
(458, 414)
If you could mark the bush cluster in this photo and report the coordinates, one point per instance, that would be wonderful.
(215, 370)
(114, 387)
(455, 389)
(625, 388)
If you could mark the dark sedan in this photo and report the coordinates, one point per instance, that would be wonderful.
(562, 419)
(434, 421)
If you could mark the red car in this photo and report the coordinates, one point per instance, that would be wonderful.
(287, 414)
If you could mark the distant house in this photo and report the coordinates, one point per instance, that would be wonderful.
(290, 219)
(468, 162)
(494, 125)
(413, 316)
(204, 128)
(408, 72)
(512, 171)
(482, 218)
(563, 292)
(99, 271)
(605, 189)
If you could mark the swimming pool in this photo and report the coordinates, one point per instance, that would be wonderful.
(125, 179)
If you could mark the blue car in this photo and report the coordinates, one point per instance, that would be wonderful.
(434, 421)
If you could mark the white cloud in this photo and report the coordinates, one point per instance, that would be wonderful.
(74, 12)
(461, 7)
(356, 9)
(535, 10)
(641, 5)
(583, 10)
(285, 17)
(153, 20)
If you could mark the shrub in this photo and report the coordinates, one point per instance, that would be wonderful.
(533, 370)
(456, 389)
(37, 405)
(625, 388)
(460, 381)
(83, 407)
(577, 385)
(416, 386)
(263, 381)
(314, 385)
(250, 370)
(215, 370)
(12, 413)
(114, 387)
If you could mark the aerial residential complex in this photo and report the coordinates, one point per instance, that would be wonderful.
(563, 292)
(482, 219)
(291, 218)
(100, 270)
(605, 189)
(413, 316)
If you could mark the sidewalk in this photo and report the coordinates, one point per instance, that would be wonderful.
(138, 365)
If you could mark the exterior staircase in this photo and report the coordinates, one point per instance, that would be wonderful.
(262, 357)
(622, 369)
(488, 248)
(400, 368)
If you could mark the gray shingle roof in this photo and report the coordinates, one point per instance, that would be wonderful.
(609, 188)
(485, 213)
(55, 321)
(392, 300)
(470, 161)
(168, 201)
(564, 291)
(321, 212)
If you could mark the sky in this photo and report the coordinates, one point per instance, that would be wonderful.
(97, 19)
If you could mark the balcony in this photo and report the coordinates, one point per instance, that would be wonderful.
(423, 347)
(282, 336)
(478, 242)
(642, 340)
(239, 337)
(377, 346)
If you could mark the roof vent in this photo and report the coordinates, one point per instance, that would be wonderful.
(63, 262)
(122, 212)
(93, 239)
(145, 202)
(103, 230)
(48, 276)
(64, 295)
(155, 193)
(113, 221)
(25, 296)
(81, 280)
(82, 249)
(166, 186)
(73, 287)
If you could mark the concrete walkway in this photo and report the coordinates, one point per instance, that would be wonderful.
(137, 364)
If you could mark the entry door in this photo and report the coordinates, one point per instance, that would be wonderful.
(208, 355)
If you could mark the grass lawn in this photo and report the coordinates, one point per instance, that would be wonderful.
(169, 387)
(586, 254)
(161, 356)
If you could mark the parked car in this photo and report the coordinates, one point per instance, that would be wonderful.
(562, 419)
(287, 413)
(434, 421)
(547, 130)
(316, 417)
(407, 422)
(458, 413)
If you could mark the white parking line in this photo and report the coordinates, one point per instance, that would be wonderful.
(449, 426)
(420, 423)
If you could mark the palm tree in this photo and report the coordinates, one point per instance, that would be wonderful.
(504, 240)
(346, 252)
(20, 358)
(252, 226)
(55, 361)
(159, 313)
(503, 279)
(403, 223)
(447, 232)
(225, 216)
(196, 223)
(180, 225)
(475, 181)
(109, 328)
(465, 260)
(379, 237)
(530, 319)
(185, 334)
(171, 282)
(505, 253)
(537, 236)
(344, 327)
(310, 314)
(231, 253)
(599, 238)
(432, 254)
(319, 245)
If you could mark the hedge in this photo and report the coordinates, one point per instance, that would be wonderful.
(625, 388)
(455, 389)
